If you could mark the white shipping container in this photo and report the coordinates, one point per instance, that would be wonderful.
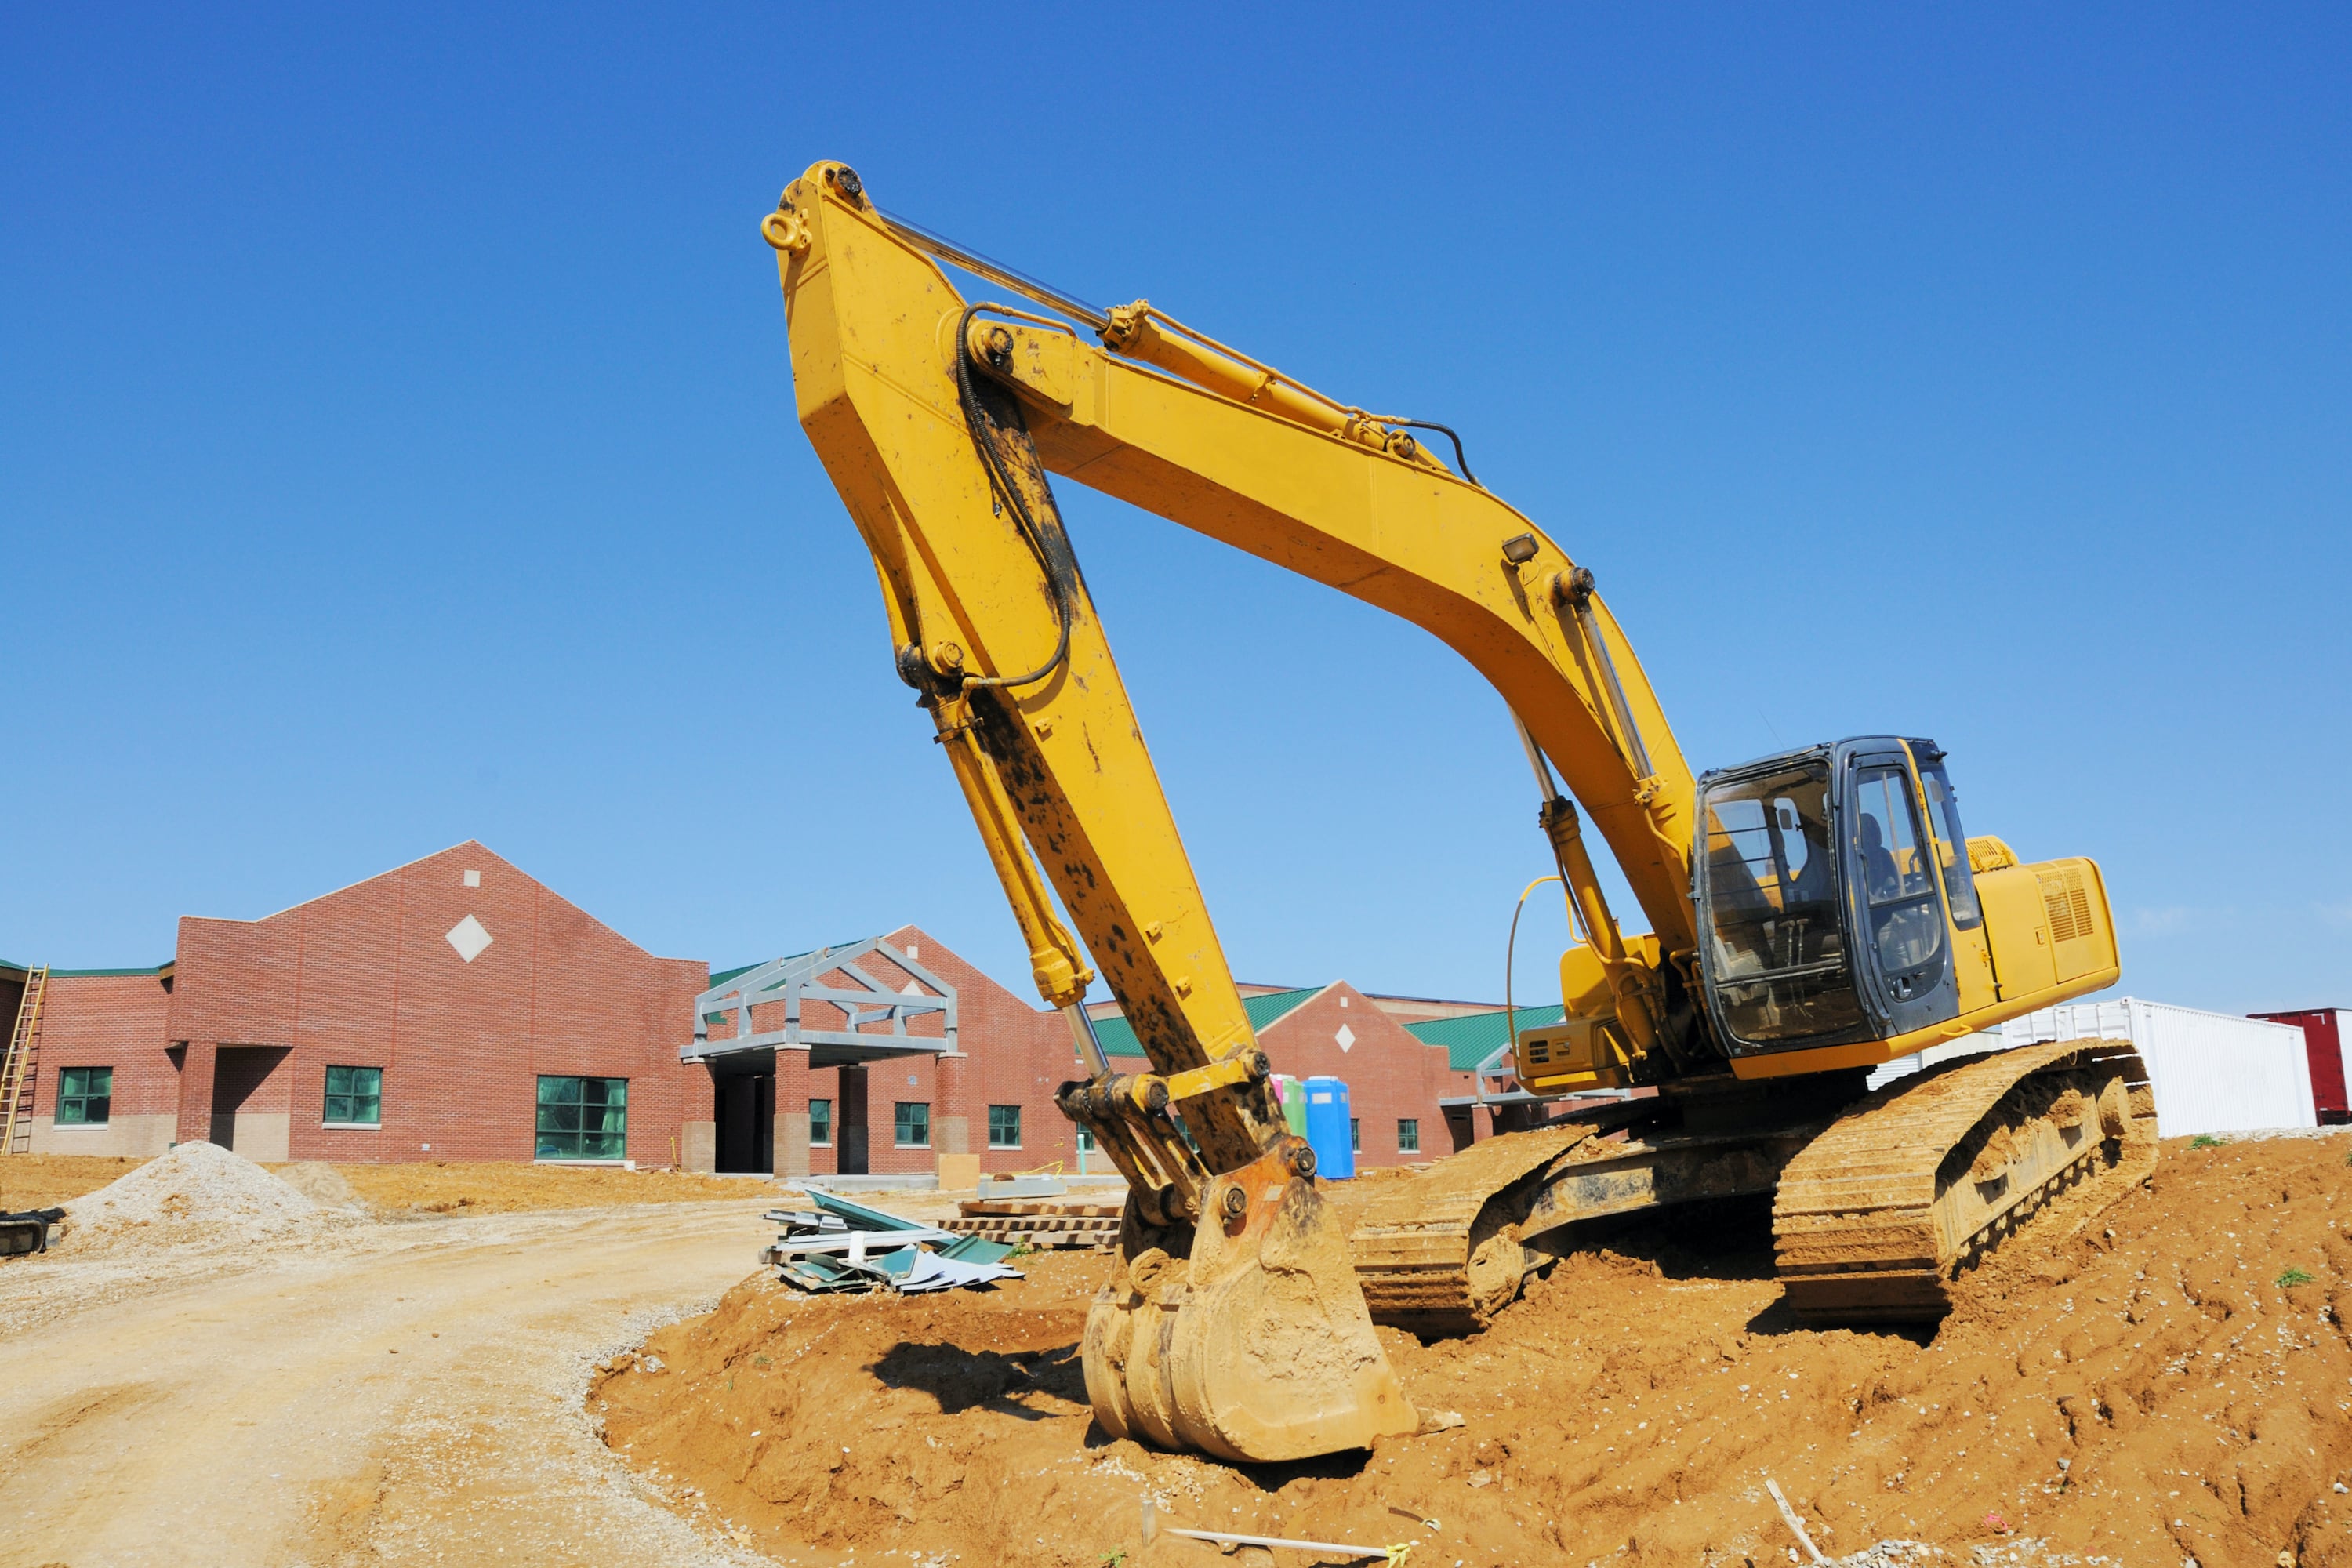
(1974, 1044)
(2214, 1072)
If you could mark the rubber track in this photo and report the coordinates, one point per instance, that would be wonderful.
(1855, 1223)
(1413, 1249)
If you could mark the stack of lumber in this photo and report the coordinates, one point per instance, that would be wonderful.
(1049, 1222)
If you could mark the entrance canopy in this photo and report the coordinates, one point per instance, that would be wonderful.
(836, 1024)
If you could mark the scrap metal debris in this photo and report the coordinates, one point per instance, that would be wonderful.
(842, 1246)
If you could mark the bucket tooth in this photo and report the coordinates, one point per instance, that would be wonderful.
(1257, 1347)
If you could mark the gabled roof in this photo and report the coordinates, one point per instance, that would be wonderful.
(1471, 1039)
(1118, 1035)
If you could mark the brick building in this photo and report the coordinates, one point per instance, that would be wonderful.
(428, 1013)
(989, 1093)
(455, 1008)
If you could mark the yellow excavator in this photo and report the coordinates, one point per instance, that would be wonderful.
(1812, 915)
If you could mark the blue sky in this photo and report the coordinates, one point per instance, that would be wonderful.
(396, 447)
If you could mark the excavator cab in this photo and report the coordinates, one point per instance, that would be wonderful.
(1837, 903)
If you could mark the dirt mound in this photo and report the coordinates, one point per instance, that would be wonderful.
(2157, 1385)
(196, 1192)
(320, 1183)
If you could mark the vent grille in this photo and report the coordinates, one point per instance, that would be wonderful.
(1539, 1050)
(2068, 900)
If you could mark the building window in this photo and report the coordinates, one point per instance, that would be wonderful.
(911, 1127)
(84, 1096)
(1356, 1134)
(354, 1097)
(820, 1123)
(1086, 1141)
(1408, 1135)
(584, 1118)
(1004, 1127)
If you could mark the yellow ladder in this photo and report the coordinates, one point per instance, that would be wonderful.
(16, 1067)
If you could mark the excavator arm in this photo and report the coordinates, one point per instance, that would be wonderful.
(903, 387)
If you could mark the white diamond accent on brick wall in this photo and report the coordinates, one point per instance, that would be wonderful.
(468, 938)
(1346, 1036)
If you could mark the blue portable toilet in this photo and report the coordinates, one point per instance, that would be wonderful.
(1329, 1130)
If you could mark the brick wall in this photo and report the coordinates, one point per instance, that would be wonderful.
(367, 977)
(112, 1021)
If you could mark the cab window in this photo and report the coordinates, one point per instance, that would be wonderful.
(1777, 961)
(1906, 923)
(1951, 845)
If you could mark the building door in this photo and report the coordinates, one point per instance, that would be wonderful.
(746, 1124)
(849, 1130)
(1460, 1130)
(250, 1105)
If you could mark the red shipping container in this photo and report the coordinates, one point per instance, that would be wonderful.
(2323, 1041)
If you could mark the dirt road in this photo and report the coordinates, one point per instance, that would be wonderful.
(393, 1393)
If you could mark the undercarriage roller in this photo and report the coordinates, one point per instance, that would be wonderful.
(1258, 1346)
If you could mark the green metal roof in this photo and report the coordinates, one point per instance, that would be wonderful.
(1473, 1037)
(724, 975)
(101, 974)
(1118, 1035)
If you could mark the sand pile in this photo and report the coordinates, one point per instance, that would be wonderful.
(2172, 1380)
(198, 1192)
(321, 1183)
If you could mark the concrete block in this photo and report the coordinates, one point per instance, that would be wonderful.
(697, 1147)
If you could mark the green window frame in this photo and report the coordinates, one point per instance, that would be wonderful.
(1356, 1134)
(354, 1098)
(910, 1124)
(1004, 1127)
(85, 1097)
(583, 1118)
(1408, 1135)
(819, 1124)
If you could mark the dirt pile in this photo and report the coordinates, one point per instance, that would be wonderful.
(2171, 1379)
(198, 1192)
(320, 1183)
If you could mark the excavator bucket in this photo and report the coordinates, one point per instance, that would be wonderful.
(1258, 1346)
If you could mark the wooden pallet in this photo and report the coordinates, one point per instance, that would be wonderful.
(994, 1208)
(1094, 1232)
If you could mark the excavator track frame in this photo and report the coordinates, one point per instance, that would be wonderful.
(1880, 1217)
